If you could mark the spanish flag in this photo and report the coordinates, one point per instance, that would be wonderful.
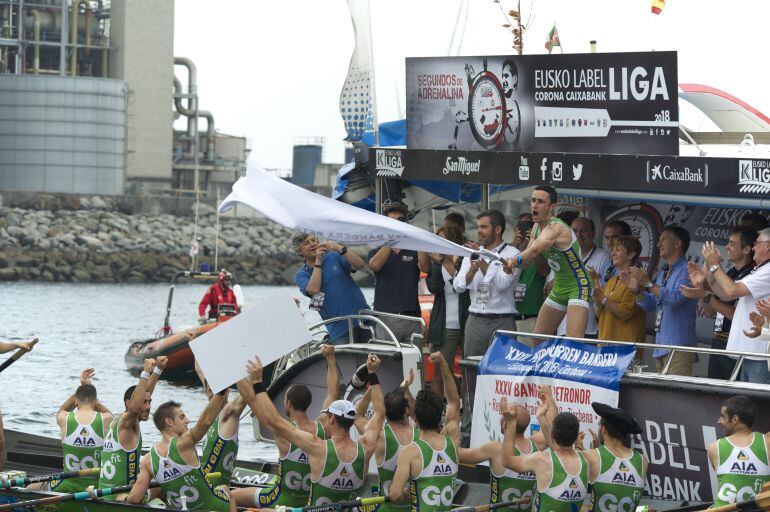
(657, 6)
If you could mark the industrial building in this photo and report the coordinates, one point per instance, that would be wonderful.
(88, 97)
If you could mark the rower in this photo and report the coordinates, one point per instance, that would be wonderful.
(220, 447)
(120, 465)
(7, 346)
(572, 285)
(173, 462)
(293, 486)
(740, 459)
(561, 472)
(508, 485)
(429, 464)
(83, 422)
(617, 471)
(332, 478)
(398, 432)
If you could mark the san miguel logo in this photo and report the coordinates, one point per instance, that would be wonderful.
(754, 176)
(665, 172)
(461, 165)
(388, 163)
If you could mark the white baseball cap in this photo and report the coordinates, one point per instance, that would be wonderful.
(342, 408)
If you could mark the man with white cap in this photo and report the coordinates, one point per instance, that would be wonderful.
(338, 464)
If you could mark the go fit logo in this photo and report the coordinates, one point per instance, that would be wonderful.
(754, 176)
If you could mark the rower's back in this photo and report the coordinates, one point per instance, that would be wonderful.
(82, 432)
(743, 467)
(398, 433)
(432, 489)
(344, 470)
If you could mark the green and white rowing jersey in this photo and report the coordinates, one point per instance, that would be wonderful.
(179, 482)
(511, 485)
(433, 489)
(387, 469)
(339, 480)
(219, 453)
(565, 492)
(620, 484)
(293, 485)
(741, 472)
(120, 466)
(571, 280)
(82, 449)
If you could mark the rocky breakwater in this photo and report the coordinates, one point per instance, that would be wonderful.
(89, 242)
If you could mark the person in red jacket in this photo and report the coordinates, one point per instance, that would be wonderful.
(219, 293)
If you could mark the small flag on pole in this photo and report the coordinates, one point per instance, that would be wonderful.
(553, 39)
(657, 6)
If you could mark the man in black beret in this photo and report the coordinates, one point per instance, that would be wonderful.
(616, 471)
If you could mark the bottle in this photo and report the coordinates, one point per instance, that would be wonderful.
(360, 378)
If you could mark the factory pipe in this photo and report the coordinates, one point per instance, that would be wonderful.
(74, 32)
(36, 30)
(192, 121)
(210, 125)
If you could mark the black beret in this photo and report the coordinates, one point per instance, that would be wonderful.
(618, 418)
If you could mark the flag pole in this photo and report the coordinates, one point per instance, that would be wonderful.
(375, 121)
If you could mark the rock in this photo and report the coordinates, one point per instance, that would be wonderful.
(97, 203)
(89, 241)
(8, 274)
(47, 276)
(203, 209)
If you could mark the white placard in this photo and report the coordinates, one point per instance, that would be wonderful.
(270, 329)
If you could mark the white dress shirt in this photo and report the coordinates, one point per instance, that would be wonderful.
(501, 285)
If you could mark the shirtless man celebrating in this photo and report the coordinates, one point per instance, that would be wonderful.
(572, 285)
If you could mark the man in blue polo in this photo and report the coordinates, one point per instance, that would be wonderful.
(325, 277)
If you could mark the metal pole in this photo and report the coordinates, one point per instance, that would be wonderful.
(485, 196)
(63, 39)
(216, 243)
(378, 195)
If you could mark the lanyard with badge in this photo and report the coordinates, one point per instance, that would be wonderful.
(659, 311)
(483, 290)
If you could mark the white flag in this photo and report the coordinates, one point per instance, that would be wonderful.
(301, 210)
(357, 96)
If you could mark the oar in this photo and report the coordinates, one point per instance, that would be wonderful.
(75, 496)
(760, 501)
(492, 506)
(7, 483)
(17, 355)
(329, 507)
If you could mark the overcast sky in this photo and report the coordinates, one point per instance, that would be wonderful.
(272, 71)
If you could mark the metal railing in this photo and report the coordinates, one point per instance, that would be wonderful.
(417, 319)
(673, 349)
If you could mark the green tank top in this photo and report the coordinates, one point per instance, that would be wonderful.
(620, 484)
(293, 485)
(567, 265)
(219, 454)
(120, 466)
(511, 485)
(741, 472)
(180, 481)
(82, 449)
(387, 469)
(529, 293)
(433, 489)
(566, 492)
(339, 480)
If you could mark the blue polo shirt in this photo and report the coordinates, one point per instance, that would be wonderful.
(342, 294)
(678, 313)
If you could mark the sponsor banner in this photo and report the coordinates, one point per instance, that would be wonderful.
(579, 374)
(623, 103)
(702, 176)
(676, 435)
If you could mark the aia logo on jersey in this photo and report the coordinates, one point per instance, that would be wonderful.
(573, 493)
(623, 467)
(624, 478)
(743, 466)
(84, 440)
(343, 482)
(170, 474)
(442, 468)
(302, 457)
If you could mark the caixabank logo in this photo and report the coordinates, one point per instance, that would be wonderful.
(754, 176)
